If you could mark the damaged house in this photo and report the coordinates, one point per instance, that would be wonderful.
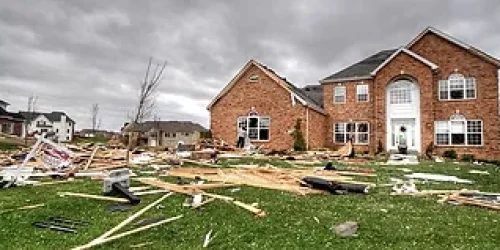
(441, 93)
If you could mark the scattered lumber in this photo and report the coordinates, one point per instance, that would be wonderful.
(185, 189)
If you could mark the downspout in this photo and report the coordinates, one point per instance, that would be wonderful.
(307, 128)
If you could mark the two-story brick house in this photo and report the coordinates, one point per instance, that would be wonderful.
(436, 91)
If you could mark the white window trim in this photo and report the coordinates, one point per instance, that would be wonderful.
(449, 134)
(335, 94)
(464, 89)
(355, 133)
(258, 122)
(367, 93)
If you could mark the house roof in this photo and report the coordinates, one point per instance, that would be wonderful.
(54, 116)
(455, 41)
(408, 52)
(299, 94)
(2, 102)
(360, 70)
(5, 113)
(166, 126)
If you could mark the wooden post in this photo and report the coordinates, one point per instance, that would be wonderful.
(91, 157)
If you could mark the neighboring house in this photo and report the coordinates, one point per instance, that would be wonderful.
(89, 133)
(55, 122)
(436, 91)
(10, 123)
(168, 133)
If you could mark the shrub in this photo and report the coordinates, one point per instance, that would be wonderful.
(450, 154)
(380, 148)
(429, 150)
(467, 158)
(299, 143)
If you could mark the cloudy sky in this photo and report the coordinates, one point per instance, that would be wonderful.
(72, 54)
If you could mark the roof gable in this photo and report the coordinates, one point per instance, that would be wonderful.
(295, 92)
(455, 41)
(408, 52)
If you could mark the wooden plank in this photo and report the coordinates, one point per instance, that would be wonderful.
(131, 218)
(203, 203)
(127, 233)
(95, 197)
(91, 157)
(161, 191)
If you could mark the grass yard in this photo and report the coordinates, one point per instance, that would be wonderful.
(386, 222)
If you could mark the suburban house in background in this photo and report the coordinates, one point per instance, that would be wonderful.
(56, 122)
(440, 93)
(10, 123)
(90, 133)
(167, 133)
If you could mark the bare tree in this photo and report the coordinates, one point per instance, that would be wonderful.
(29, 116)
(94, 113)
(147, 97)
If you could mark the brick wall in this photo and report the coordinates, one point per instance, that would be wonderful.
(351, 110)
(451, 57)
(269, 99)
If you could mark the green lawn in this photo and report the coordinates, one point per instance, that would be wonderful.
(386, 222)
(4, 146)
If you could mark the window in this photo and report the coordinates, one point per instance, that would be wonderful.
(457, 87)
(400, 92)
(357, 131)
(339, 94)
(186, 134)
(257, 127)
(362, 93)
(68, 130)
(459, 132)
(57, 130)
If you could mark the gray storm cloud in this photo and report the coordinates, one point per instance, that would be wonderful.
(75, 53)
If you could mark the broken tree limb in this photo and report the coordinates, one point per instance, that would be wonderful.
(95, 197)
(131, 218)
(121, 235)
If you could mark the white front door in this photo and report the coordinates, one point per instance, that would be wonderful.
(403, 114)
(403, 128)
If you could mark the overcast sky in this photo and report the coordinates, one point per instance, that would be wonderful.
(72, 54)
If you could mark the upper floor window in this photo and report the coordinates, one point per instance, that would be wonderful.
(362, 93)
(457, 87)
(400, 92)
(339, 95)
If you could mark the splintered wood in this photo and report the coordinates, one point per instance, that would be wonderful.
(289, 180)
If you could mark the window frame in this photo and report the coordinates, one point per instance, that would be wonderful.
(335, 94)
(259, 127)
(466, 133)
(356, 133)
(464, 81)
(358, 88)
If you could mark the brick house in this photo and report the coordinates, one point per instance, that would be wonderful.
(436, 91)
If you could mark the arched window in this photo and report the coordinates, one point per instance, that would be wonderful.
(457, 87)
(400, 92)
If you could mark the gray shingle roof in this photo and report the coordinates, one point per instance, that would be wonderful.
(53, 116)
(362, 68)
(6, 113)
